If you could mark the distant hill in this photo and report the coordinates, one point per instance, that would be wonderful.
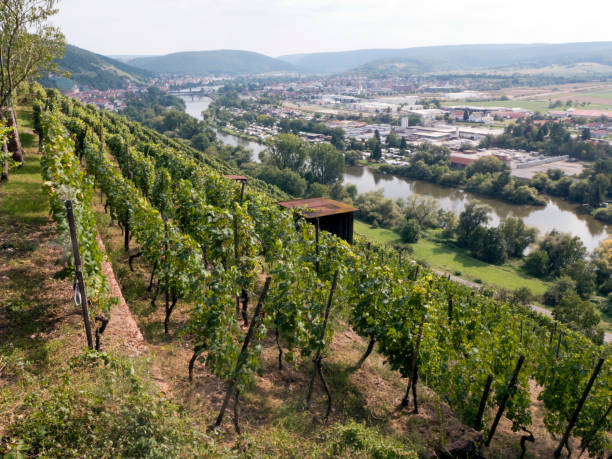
(212, 63)
(95, 71)
(443, 58)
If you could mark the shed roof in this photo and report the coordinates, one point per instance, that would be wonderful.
(318, 207)
(238, 178)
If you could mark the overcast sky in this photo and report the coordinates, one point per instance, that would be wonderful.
(276, 27)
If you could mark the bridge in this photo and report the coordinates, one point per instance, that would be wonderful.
(193, 92)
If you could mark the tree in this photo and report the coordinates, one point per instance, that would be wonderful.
(485, 165)
(493, 247)
(326, 164)
(376, 152)
(602, 259)
(471, 218)
(29, 46)
(287, 180)
(583, 273)
(423, 210)
(536, 263)
(317, 190)
(403, 144)
(287, 151)
(415, 120)
(522, 295)
(579, 315)
(600, 184)
(562, 249)
(517, 236)
(562, 287)
(585, 134)
(410, 231)
(377, 210)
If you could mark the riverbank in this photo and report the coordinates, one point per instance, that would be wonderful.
(556, 214)
(457, 261)
(239, 134)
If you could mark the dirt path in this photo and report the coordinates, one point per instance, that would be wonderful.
(122, 333)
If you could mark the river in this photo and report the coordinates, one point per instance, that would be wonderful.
(196, 105)
(557, 214)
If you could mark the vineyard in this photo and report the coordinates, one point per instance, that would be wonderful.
(238, 268)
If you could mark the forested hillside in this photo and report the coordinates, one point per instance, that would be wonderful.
(444, 58)
(218, 62)
(94, 71)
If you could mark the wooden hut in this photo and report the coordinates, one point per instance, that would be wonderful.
(332, 216)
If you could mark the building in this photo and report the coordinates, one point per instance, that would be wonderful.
(461, 160)
(332, 216)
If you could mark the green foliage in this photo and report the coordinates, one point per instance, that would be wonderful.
(562, 250)
(562, 287)
(486, 165)
(29, 43)
(287, 180)
(288, 151)
(325, 165)
(472, 217)
(536, 263)
(64, 180)
(517, 236)
(356, 438)
(374, 208)
(410, 231)
(110, 414)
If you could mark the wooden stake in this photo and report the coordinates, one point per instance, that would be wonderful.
(80, 281)
(231, 387)
(317, 244)
(483, 403)
(574, 417)
(505, 398)
(317, 360)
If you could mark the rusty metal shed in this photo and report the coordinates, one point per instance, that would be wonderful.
(238, 178)
(333, 216)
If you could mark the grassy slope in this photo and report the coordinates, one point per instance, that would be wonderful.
(454, 259)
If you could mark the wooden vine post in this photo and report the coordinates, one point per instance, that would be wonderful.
(318, 367)
(505, 398)
(78, 274)
(483, 403)
(231, 386)
(574, 418)
(414, 370)
(587, 438)
(317, 229)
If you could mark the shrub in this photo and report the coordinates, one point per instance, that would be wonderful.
(362, 441)
(99, 409)
(410, 231)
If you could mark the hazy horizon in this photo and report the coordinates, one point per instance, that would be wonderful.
(280, 27)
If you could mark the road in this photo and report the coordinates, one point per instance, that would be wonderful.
(540, 309)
